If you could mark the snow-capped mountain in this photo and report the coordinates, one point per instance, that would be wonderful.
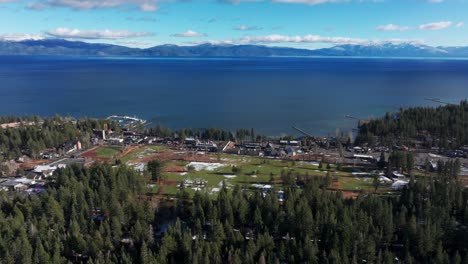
(64, 47)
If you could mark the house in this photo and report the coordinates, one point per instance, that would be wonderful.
(207, 146)
(294, 143)
(290, 151)
(12, 184)
(115, 141)
(47, 170)
(359, 150)
(252, 145)
(78, 145)
(432, 165)
(190, 141)
(398, 175)
(68, 147)
(101, 134)
(364, 157)
(397, 185)
(271, 150)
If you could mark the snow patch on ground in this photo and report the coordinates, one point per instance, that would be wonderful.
(199, 166)
(261, 186)
(229, 176)
(313, 163)
(360, 173)
(384, 179)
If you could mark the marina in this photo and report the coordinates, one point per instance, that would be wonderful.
(128, 122)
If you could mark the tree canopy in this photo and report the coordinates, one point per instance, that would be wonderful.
(103, 215)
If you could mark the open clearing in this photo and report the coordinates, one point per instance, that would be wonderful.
(209, 171)
(107, 153)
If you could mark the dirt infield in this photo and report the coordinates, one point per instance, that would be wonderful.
(352, 195)
(89, 153)
(127, 151)
(175, 169)
(169, 156)
(32, 163)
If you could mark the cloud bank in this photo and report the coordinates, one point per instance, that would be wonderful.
(428, 26)
(276, 38)
(189, 34)
(20, 37)
(143, 5)
(69, 33)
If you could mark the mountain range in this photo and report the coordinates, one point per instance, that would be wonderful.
(77, 48)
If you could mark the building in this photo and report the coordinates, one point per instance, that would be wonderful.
(190, 141)
(206, 146)
(294, 143)
(115, 141)
(397, 185)
(15, 184)
(398, 175)
(100, 133)
(47, 170)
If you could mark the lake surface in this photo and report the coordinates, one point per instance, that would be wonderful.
(268, 94)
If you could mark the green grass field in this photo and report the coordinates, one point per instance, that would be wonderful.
(107, 153)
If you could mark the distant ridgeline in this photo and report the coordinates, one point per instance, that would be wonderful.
(444, 127)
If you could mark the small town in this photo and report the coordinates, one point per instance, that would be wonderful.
(256, 163)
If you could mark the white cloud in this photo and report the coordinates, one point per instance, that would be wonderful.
(435, 25)
(135, 44)
(276, 38)
(310, 2)
(69, 33)
(459, 24)
(142, 19)
(428, 26)
(247, 28)
(20, 37)
(307, 2)
(238, 1)
(7, 1)
(151, 5)
(143, 5)
(189, 34)
(392, 27)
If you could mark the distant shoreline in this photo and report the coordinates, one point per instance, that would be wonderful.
(245, 58)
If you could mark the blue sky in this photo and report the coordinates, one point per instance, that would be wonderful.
(295, 23)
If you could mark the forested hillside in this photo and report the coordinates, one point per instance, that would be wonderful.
(30, 135)
(444, 126)
(102, 215)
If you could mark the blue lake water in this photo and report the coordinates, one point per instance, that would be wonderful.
(268, 94)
